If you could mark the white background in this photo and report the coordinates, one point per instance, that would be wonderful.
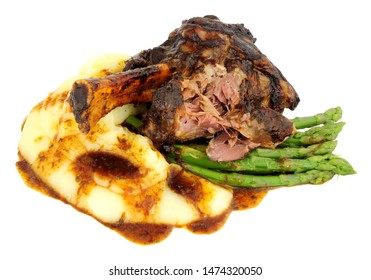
(306, 232)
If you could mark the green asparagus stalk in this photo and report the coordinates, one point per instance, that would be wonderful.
(317, 134)
(256, 181)
(261, 165)
(331, 115)
(286, 152)
(133, 121)
(296, 152)
(337, 165)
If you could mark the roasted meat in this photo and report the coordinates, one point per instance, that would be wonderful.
(216, 85)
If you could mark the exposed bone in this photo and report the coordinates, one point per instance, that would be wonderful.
(91, 99)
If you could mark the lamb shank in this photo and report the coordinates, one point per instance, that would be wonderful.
(207, 80)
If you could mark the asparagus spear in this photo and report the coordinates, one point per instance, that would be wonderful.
(134, 121)
(330, 115)
(285, 152)
(296, 152)
(256, 181)
(261, 165)
(317, 134)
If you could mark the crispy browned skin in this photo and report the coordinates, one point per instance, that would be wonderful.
(93, 98)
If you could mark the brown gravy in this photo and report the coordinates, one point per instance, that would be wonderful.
(108, 164)
(145, 233)
(246, 198)
(142, 233)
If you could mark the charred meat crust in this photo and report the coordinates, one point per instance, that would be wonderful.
(232, 45)
(160, 118)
